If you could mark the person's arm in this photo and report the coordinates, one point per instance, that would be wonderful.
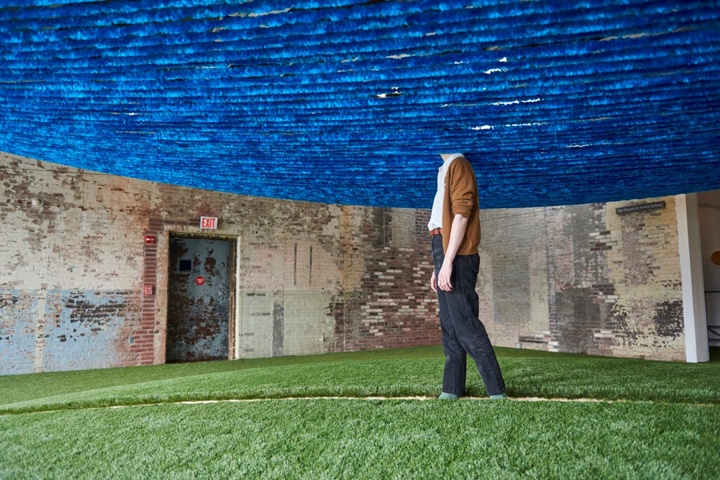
(457, 233)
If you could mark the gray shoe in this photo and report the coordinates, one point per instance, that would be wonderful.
(447, 396)
(499, 396)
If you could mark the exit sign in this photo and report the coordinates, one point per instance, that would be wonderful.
(208, 223)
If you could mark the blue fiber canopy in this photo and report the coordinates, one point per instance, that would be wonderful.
(350, 102)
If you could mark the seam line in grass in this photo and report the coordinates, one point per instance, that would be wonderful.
(370, 398)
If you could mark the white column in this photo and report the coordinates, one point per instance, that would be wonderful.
(693, 286)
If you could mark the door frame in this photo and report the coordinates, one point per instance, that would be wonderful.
(163, 281)
(709, 201)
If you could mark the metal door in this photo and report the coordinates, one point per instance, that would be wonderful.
(198, 299)
(709, 216)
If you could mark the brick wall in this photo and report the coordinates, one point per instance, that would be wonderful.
(314, 278)
(584, 279)
(311, 278)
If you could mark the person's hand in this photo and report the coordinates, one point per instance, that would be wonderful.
(443, 280)
(433, 282)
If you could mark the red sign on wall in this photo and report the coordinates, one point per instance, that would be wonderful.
(148, 290)
(208, 223)
(200, 280)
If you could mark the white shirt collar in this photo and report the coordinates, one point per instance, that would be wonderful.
(449, 160)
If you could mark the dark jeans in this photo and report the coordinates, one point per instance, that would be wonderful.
(462, 331)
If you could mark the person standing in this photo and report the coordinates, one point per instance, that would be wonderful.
(455, 228)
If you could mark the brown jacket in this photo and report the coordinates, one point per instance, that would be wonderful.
(461, 196)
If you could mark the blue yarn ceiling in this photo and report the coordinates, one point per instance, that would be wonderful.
(345, 101)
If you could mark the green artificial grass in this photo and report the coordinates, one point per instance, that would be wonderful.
(636, 419)
(365, 439)
(388, 373)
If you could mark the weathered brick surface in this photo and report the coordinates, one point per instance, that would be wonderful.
(313, 278)
(583, 279)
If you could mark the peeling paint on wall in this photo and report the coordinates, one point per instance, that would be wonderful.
(54, 330)
(17, 331)
(315, 278)
(612, 281)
